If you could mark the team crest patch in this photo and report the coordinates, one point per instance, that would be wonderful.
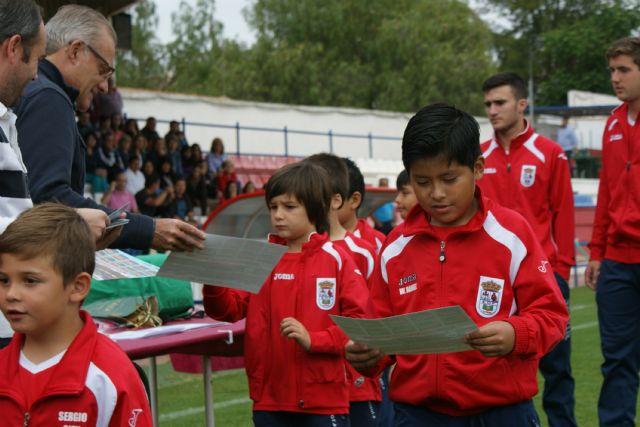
(489, 296)
(325, 293)
(528, 175)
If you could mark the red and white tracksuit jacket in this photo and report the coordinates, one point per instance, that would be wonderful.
(496, 270)
(362, 389)
(368, 233)
(616, 226)
(533, 178)
(320, 280)
(94, 384)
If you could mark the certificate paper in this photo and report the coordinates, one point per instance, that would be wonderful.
(225, 261)
(441, 330)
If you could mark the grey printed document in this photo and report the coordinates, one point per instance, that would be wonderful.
(440, 330)
(225, 261)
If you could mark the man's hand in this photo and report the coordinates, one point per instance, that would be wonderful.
(176, 235)
(98, 221)
(291, 328)
(493, 339)
(361, 357)
(591, 274)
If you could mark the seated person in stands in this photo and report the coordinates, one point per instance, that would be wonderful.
(124, 147)
(117, 195)
(139, 148)
(167, 176)
(158, 152)
(151, 199)
(249, 187)
(197, 189)
(109, 158)
(96, 174)
(135, 177)
(187, 160)
(216, 156)
(58, 370)
(174, 154)
(231, 191)
(406, 197)
(131, 128)
(226, 175)
(181, 206)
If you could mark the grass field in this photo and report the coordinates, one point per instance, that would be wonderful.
(181, 394)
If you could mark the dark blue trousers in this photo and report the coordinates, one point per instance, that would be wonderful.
(364, 414)
(521, 414)
(558, 396)
(386, 406)
(296, 419)
(618, 298)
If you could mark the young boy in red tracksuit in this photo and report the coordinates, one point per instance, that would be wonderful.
(348, 213)
(462, 249)
(530, 174)
(294, 353)
(58, 370)
(364, 393)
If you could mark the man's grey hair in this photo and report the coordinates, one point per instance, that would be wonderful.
(75, 22)
(19, 17)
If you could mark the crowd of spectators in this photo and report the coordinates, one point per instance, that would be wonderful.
(161, 176)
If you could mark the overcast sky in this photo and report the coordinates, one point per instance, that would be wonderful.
(229, 12)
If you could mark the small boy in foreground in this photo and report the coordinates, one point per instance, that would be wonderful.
(58, 370)
(462, 249)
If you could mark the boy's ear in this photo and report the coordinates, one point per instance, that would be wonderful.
(79, 287)
(478, 168)
(336, 202)
(355, 200)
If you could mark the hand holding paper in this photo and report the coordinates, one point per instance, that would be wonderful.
(493, 339)
(361, 357)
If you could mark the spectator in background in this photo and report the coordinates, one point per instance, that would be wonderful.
(197, 189)
(96, 173)
(406, 197)
(174, 154)
(117, 195)
(106, 104)
(167, 177)
(568, 141)
(231, 191)
(226, 175)
(131, 128)
(149, 130)
(151, 199)
(181, 206)
(249, 187)
(158, 153)
(197, 153)
(117, 127)
(148, 169)
(383, 216)
(104, 127)
(109, 157)
(139, 148)
(174, 129)
(124, 147)
(135, 177)
(216, 156)
(187, 160)
(84, 124)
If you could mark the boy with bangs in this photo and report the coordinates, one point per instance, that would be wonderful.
(294, 353)
(365, 394)
(460, 248)
(58, 370)
(348, 213)
(406, 198)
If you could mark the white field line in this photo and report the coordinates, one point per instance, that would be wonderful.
(200, 409)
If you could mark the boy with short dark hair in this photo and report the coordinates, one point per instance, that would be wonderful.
(462, 249)
(406, 197)
(58, 370)
(349, 211)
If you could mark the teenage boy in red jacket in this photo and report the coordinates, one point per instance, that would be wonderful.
(530, 174)
(462, 249)
(58, 370)
(614, 263)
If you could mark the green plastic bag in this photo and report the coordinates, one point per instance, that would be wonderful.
(175, 297)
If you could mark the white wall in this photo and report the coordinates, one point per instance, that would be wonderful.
(223, 111)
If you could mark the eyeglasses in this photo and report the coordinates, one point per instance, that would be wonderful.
(106, 70)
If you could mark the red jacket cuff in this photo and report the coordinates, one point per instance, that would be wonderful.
(325, 342)
(522, 345)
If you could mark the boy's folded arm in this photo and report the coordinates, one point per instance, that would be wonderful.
(225, 304)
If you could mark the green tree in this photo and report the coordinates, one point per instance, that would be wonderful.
(566, 40)
(144, 65)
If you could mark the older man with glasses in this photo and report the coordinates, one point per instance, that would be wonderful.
(80, 50)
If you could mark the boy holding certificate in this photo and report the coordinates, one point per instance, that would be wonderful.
(462, 249)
